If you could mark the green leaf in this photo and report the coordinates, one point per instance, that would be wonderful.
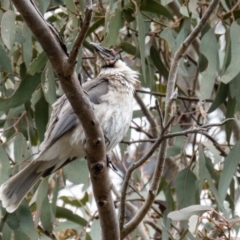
(5, 63)
(22, 94)
(115, 24)
(157, 61)
(95, 229)
(235, 13)
(221, 96)
(128, 48)
(233, 68)
(75, 202)
(98, 23)
(77, 172)
(141, 38)
(168, 35)
(128, 14)
(229, 169)
(21, 220)
(235, 90)
(27, 45)
(182, 35)
(8, 27)
(69, 215)
(209, 48)
(41, 116)
(4, 166)
(43, 206)
(186, 188)
(38, 64)
(155, 7)
(48, 83)
(204, 174)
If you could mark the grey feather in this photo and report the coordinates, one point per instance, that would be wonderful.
(95, 89)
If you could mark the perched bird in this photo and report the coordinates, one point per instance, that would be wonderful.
(111, 94)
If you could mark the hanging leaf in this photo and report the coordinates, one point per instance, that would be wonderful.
(8, 27)
(5, 63)
(155, 7)
(115, 24)
(141, 38)
(233, 68)
(186, 188)
(22, 94)
(155, 56)
(69, 215)
(186, 213)
(221, 96)
(38, 64)
(41, 116)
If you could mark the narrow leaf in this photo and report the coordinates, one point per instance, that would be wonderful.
(230, 167)
(141, 38)
(38, 64)
(157, 61)
(186, 188)
(233, 68)
(22, 94)
(155, 7)
(8, 27)
(221, 96)
(209, 48)
(5, 64)
(186, 213)
(115, 23)
(69, 215)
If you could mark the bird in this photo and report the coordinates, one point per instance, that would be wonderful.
(111, 95)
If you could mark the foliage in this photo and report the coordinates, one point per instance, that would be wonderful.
(200, 169)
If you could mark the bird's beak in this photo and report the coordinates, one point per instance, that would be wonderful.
(101, 49)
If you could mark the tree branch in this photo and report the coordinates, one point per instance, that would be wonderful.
(168, 113)
(191, 99)
(153, 123)
(95, 143)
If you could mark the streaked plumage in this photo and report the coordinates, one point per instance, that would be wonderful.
(111, 94)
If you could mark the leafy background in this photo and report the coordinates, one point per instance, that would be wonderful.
(199, 169)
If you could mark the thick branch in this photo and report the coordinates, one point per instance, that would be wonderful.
(168, 113)
(95, 144)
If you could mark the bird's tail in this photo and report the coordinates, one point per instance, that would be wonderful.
(13, 191)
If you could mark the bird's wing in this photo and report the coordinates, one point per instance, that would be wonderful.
(63, 117)
(95, 89)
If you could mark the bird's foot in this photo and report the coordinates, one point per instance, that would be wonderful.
(107, 141)
(111, 165)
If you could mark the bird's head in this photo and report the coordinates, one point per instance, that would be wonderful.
(107, 57)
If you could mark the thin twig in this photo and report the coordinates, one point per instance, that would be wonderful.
(72, 60)
(154, 226)
(159, 113)
(192, 99)
(152, 121)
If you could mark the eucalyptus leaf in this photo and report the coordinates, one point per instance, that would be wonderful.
(230, 167)
(233, 68)
(22, 94)
(5, 64)
(186, 188)
(186, 213)
(115, 23)
(8, 27)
